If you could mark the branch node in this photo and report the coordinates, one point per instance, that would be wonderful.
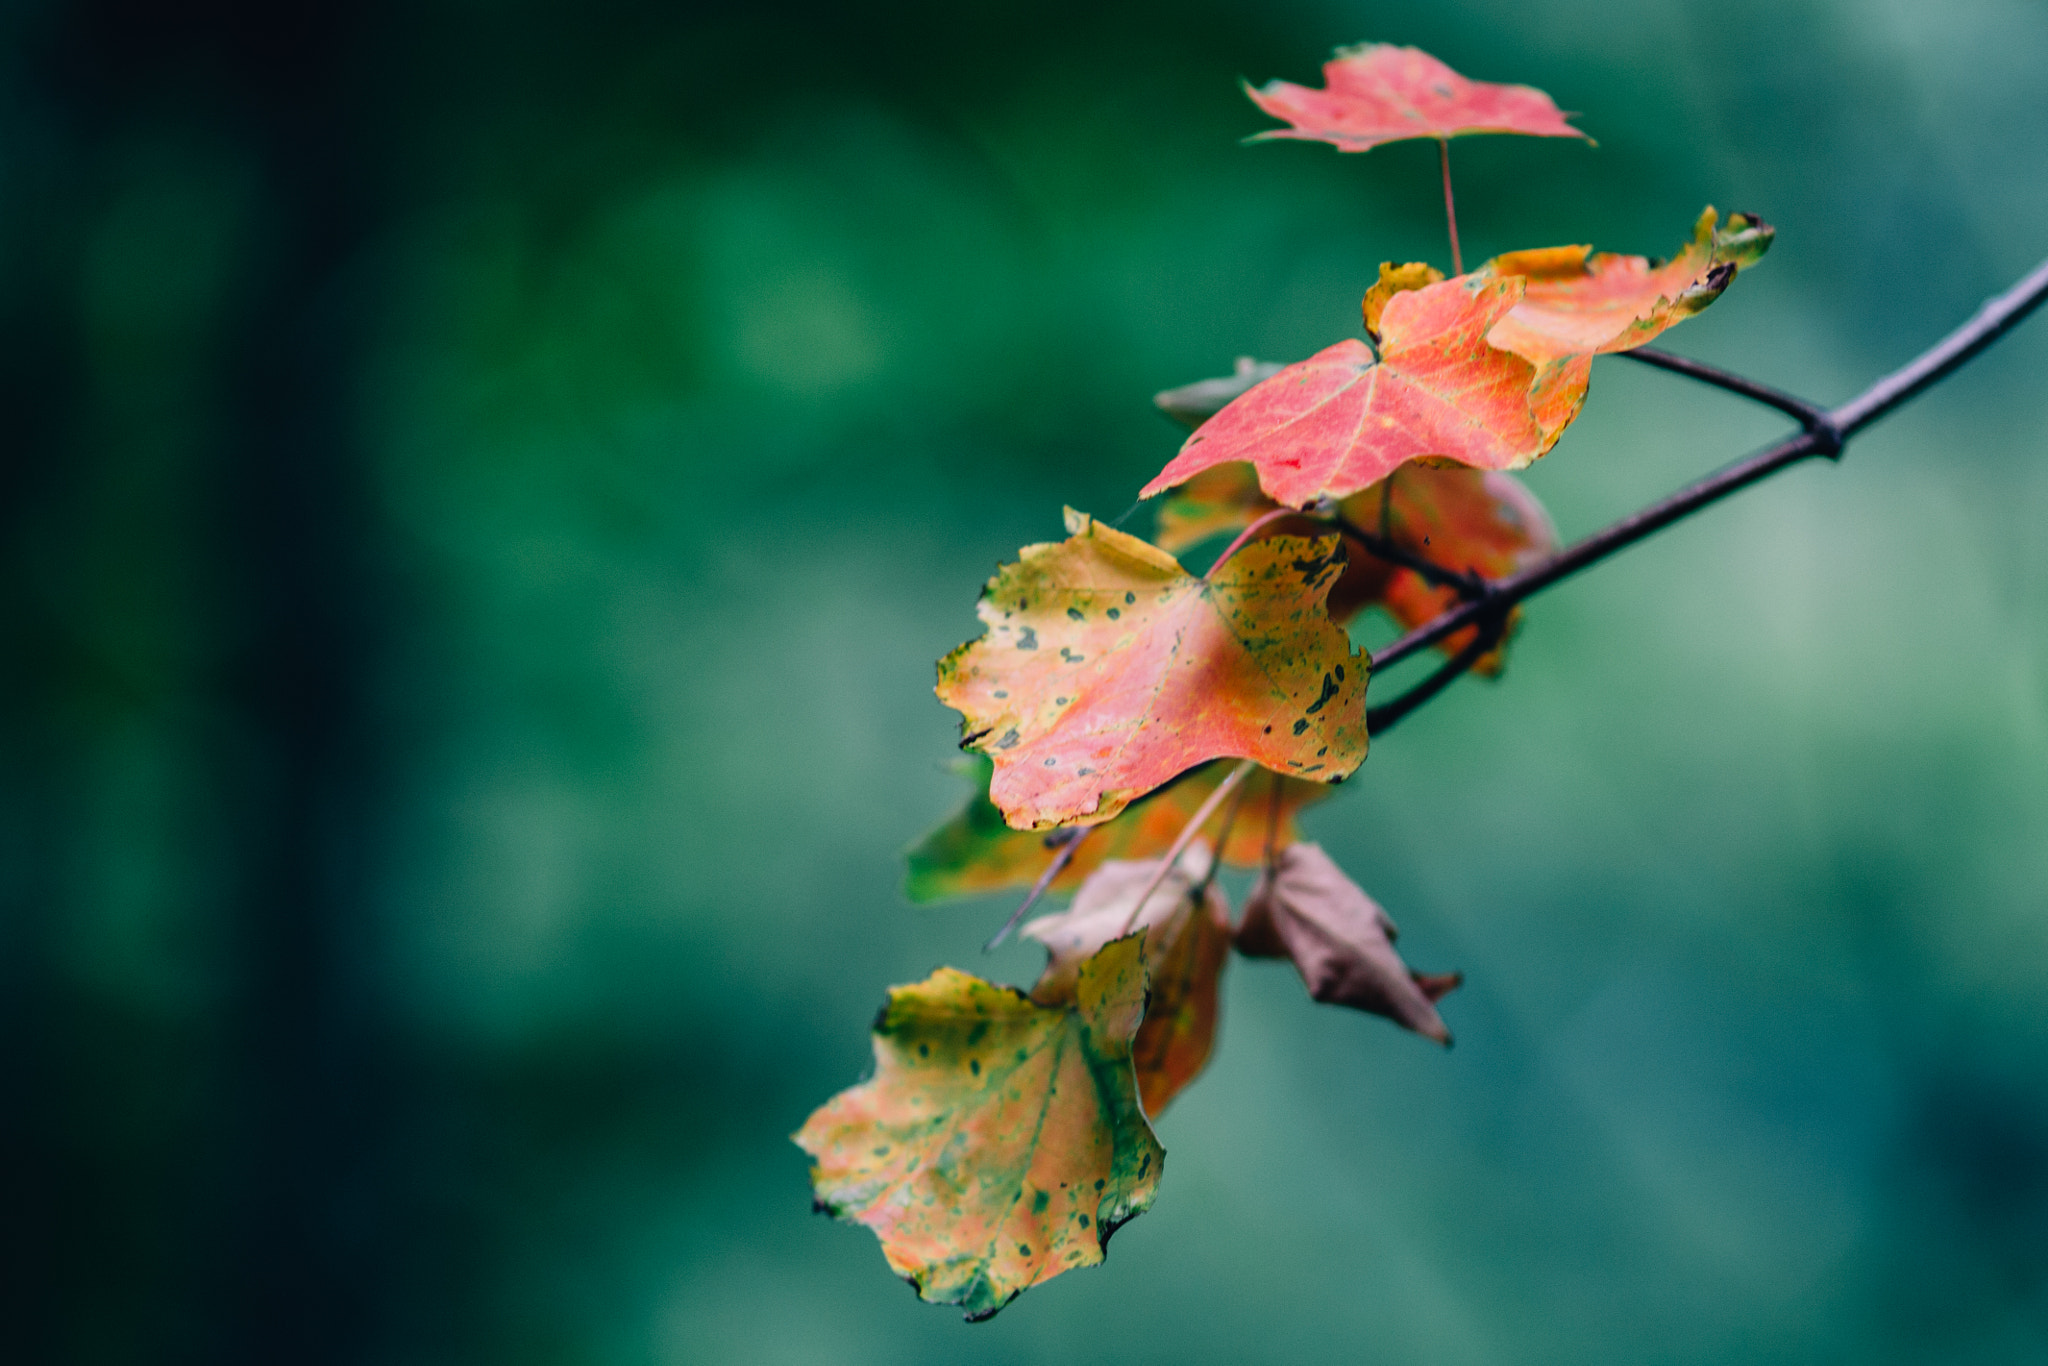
(1828, 438)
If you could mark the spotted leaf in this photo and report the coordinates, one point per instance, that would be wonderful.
(1000, 1141)
(1107, 671)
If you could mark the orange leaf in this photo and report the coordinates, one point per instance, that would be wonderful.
(1376, 93)
(1575, 304)
(1340, 421)
(1107, 671)
(1000, 1141)
(976, 850)
(1187, 941)
(1395, 280)
(1305, 908)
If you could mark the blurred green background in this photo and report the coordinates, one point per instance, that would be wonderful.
(484, 487)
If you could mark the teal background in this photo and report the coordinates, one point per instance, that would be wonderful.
(485, 486)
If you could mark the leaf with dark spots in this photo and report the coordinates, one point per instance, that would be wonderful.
(1329, 691)
(1187, 941)
(1195, 674)
(1305, 908)
(1310, 569)
(961, 1147)
(976, 851)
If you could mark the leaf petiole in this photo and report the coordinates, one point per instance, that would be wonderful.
(1243, 536)
(1443, 147)
(1067, 845)
(1187, 837)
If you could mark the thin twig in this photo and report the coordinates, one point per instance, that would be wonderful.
(1222, 840)
(1993, 320)
(1381, 719)
(1999, 315)
(1443, 147)
(1810, 415)
(1273, 823)
(1059, 863)
(1468, 584)
(1186, 837)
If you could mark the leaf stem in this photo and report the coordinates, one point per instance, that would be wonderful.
(1186, 837)
(1272, 822)
(1060, 860)
(1275, 515)
(1836, 425)
(1443, 147)
(1222, 839)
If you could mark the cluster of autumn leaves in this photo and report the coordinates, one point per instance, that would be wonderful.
(1004, 1135)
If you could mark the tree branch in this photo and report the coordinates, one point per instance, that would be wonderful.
(1810, 415)
(1381, 719)
(1822, 437)
(1469, 585)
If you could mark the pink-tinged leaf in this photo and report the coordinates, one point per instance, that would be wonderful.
(1340, 421)
(1108, 670)
(1305, 908)
(1376, 93)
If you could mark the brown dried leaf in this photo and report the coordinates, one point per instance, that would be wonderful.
(1340, 940)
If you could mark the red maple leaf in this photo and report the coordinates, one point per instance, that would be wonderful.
(1341, 420)
(1376, 93)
